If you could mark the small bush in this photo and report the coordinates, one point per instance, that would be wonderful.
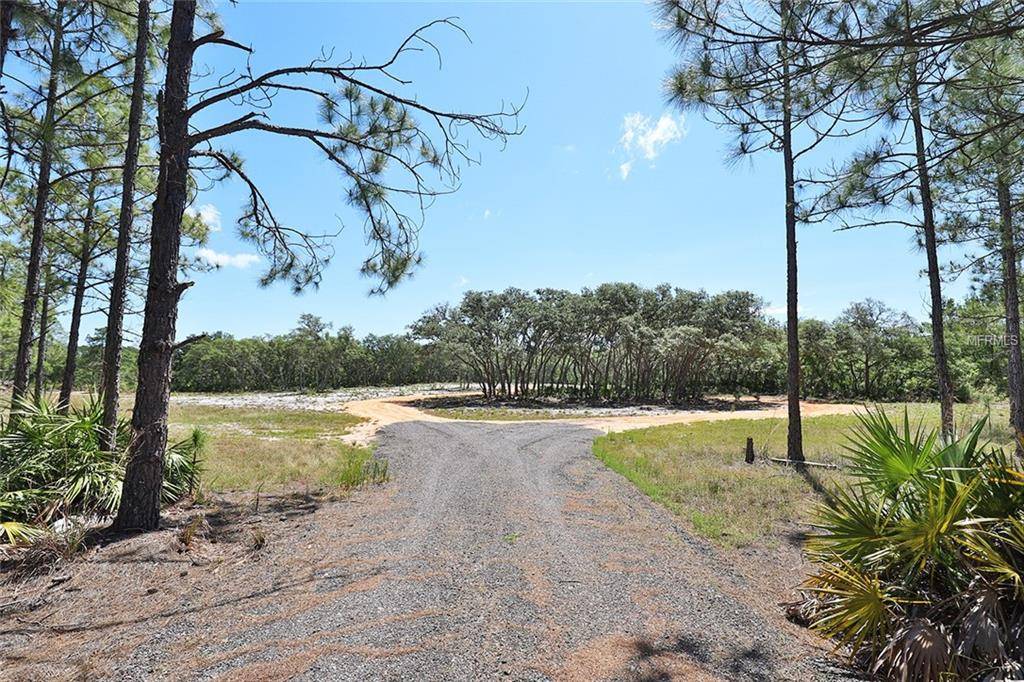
(52, 467)
(920, 563)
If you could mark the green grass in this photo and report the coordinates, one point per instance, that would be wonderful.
(697, 469)
(266, 449)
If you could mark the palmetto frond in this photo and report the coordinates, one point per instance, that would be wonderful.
(855, 525)
(885, 457)
(921, 560)
(857, 607)
(917, 650)
(52, 465)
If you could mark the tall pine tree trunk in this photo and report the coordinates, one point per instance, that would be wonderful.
(110, 382)
(42, 195)
(44, 328)
(945, 384)
(140, 496)
(1011, 301)
(67, 383)
(942, 378)
(794, 439)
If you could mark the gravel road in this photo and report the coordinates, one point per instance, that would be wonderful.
(508, 551)
(496, 551)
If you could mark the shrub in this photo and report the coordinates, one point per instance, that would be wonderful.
(920, 563)
(52, 467)
(356, 466)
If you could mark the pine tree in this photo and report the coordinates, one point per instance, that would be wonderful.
(367, 132)
(748, 70)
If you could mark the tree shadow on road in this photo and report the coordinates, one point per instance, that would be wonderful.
(754, 663)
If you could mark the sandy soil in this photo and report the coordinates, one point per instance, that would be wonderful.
(315, 402)
(384, 411)
(776, 410)
(381, 412)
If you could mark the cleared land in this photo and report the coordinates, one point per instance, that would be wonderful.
(497, 549)
(254, 448)
(500, 550)
(390, 410)
(472, 407)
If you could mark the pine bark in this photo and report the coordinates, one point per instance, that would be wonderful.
(794, 439)
(67, 383)
(44, 328)
(140, 496)
(42, 195)
(110, 382)
(6, 30)
(942, 377)
(1011, 302)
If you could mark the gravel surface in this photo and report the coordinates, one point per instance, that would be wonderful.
(497, 551)
(544, 564)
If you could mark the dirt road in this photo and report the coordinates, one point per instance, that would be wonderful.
(514, 554)
(381, 412)
(497, 551)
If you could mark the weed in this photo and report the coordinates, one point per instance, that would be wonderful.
(354, 467)
(257, 538)
(46, 550)
(192, 530)
(710, 525)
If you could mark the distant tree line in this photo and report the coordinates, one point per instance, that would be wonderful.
(311, 357)
(623, 342)
(616, 342)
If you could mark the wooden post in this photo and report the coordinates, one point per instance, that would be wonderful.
(750, 450)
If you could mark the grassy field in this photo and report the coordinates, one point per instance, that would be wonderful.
(252, 449)
(697, 470)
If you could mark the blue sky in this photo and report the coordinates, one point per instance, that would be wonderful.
(555, 208)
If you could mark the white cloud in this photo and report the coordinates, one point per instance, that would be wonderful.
(567, 148)
(461, 282)
(222, 260)
(643, 137)
(209, 214)
(640, 134)
(487, 213)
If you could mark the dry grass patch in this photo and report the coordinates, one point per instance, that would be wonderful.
(697, 469)
(263, 448)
